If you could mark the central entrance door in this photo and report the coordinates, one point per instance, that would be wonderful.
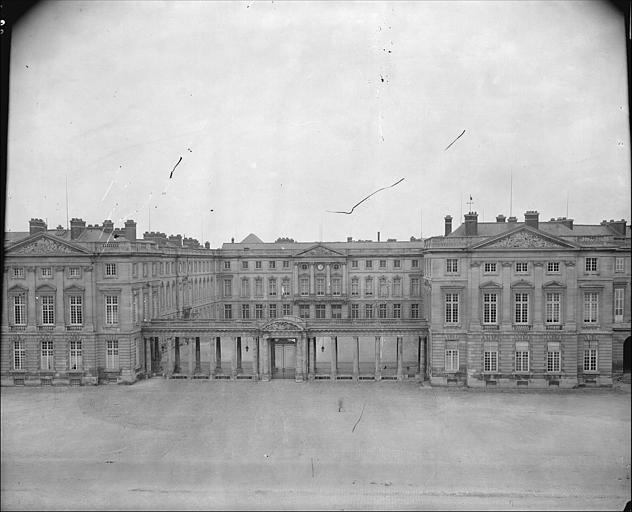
(284, 358)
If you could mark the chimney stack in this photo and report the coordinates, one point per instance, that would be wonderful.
(618, 226)
(531, 218)
(448, 224)
(130, 230)
(512, 219)
(108, 226)
(207, 245)
(378, 236)
(36, 226)
(500, 218)
(471, 224)
(77, 226)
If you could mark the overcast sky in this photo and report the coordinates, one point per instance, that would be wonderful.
(283, 110)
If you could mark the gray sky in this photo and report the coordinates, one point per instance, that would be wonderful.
(283, 110)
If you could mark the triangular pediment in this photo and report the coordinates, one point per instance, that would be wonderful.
(553, 284)
(319, 251)
(43, 288)
(45, 244)
(524, 237)
(490, 284)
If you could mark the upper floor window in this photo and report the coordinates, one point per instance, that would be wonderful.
(382, 263)
(490, 308)
(383, 287)
(397, 310)
(320, 311)
(228, 311)
(272, 310)
(336, 266)
(368, 287)
(414, 263)
(336, 286)
(354, 263)
(522, 267)
(397, 264)
(381, 311)
(287, 309)
(285, 287)
(47, 272)
(591, 264)
(286, 264)
(553, 267)
(19, 309)
(591, 306)
(245, 311)
(521, 305)
(619, 297)
(272, 287)
(110, 269)
(303, 266)
(304, 285)
(414, 311)
(303, 310)
(336, 311)
(397, 287)
(258, 265)
(245, 287)
(228, 287)
(619, 264)
(48, 309)
(355, 287)
(258, 311)
(368, 264)
(111, 309)
(18, 272)
(244, 265)
(489, 267)
(259, 287)
(355, 311)
(368, 311)
(451, 265)
(451, 308)
(414, 287)
(272, 264)
(135, 269)
(552, 308)
(74, 272)
(320, 286)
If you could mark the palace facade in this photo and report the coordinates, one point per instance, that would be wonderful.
(503, 303)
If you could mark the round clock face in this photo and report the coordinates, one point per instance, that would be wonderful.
(320, 266)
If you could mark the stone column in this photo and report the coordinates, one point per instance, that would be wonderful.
(473, 315)
(170, 348)
(218, 353)
(298, 375)
(312, 279)
(234, 360)
(312, 357)
(177, 355)
(255, 358)
(295, 278)
(31, 313)
(356, 358)
(239, 354)
(304, 351)
(198, 356)
(148, 368)
(266, 359)
(378, 358)
(333, 345)
(400, 358)
(537, 320)
(328, 280)
(344, 279)
(191, 345)
(212, 349)
(89, 298)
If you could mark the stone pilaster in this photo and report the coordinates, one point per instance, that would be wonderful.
(266, 359)
(506, 296)
(356, 358)
(312, 279)
(538, 310)
(378, 358)
(213, 355)
(400, 358)
(170, 362)
(298, 375)
(59, 298)
(255, 358)
(312, 358)
(333, 344)
(191, 346)
(328, 280)
(295, 278)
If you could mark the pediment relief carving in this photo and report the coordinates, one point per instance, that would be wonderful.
(44, 245)
(320, 251)
(525, 239)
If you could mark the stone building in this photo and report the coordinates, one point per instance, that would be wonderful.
(530, 303)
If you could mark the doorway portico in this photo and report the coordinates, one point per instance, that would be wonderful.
(284, 349)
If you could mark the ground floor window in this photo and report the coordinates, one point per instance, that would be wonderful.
(112, 355)
(553, 357)
(47, 355)
(75, 355)
(590, 359)
(490, 361)
(522, 357)
(272, 309)
(19, 355)
(286, 310)
(451, 360)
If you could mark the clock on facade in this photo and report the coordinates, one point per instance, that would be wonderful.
(320, 266)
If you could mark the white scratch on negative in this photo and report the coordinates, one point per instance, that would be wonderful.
(107, 191)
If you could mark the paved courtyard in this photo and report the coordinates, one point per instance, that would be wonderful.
(281, 445)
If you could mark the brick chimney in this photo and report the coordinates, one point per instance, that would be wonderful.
(500, 218)
(618, 226)
(448, 224)
(36, 226)
(531, 218)
(108, 226)
(207, 245)
(130, 230)
(471, 224)
(77, 226)
(512, 219)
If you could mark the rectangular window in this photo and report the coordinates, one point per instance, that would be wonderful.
(244, 265)
(259, 287)
(228, 287)
(553, 308)
(245, 311)
(228, 311)
(451, 308)
(47, 355)
(336, 311)
(336, 286)
(286, 264)
(521, 305)
(286, 310)
(18, 272)
(76, 310)
(272, 287)
(381, 311)
(414, 263)
(591, 305)
(272, 309)
(145, 269)
(355, 287)
(111, 309)
(112, 355)
(75, 355)
(227, 265)
(522, 267)
(368, 264)
(320, 286)
(47, 272)
(489, 267)
(490, 308)
(304, 285)
(110, 269)
(285, 287)
(490, 361)
(75, 271)
(619, 294)
(48, 309)
(383, 288)
(452, 360)
(320, 311)
(451, 265)
(414, 287)
(397, 264)
(19, 310)
(355, 311)
(397, 310)
(382, 263)
(414, 311)
(591, 264)
(368, 290)
(258, 311)
(303, 310)
(245, 287)
(619, 264)
(272, 265)
(354, 263)
(257, 265)
(522, 357)
(590, 359)
(553, 267)
(19, 355)
(368, 311)
(553, 357)
(397, 287)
